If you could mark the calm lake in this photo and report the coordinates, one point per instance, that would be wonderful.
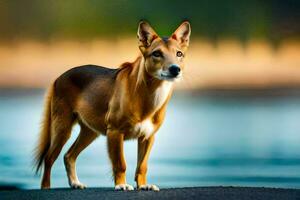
(206, 140)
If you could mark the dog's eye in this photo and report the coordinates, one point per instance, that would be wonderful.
(157, 54)
(179, 54)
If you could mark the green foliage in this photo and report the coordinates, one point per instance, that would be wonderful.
(97, 18)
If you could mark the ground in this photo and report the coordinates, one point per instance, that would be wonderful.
(212, 193)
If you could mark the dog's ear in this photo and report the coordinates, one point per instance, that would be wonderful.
(145, 35)
(182, 34)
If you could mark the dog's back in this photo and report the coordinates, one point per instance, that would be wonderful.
(88, 84)
(81, 78)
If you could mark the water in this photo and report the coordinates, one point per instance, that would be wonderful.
(206, 140)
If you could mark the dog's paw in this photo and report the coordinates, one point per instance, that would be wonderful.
(77, 185)
(124, 187)
(148, 187)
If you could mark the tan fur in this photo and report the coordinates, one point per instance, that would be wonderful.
(44, 136)
(127, 103)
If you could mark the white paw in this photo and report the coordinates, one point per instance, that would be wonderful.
(77, 185)
(124, 187)
(148, 187)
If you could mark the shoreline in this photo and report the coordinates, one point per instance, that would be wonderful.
(215, 91)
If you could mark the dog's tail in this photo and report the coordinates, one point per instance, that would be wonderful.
(45, 132)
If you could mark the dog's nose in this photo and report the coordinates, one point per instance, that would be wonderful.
(174, 70)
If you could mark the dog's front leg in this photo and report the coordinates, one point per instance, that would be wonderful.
(115, 142)
(144, 148)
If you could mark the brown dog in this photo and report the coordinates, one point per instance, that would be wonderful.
(124, 103)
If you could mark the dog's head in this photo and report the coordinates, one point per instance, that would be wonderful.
(164, 56)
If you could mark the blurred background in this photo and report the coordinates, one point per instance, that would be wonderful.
(234, 118)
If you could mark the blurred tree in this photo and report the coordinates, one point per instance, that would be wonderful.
(85, 19)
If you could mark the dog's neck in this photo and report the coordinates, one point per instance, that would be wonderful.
(143, 80)
(151, 92)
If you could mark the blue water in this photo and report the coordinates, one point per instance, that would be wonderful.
(206, 140)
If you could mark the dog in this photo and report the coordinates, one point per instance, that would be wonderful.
(124, 103)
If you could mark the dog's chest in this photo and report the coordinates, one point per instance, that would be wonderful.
(146, 127)
(161, 94)
(143, 128)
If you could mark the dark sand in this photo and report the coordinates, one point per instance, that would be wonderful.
(205, 193)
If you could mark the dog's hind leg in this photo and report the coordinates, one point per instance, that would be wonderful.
(86, 137)
(61, 126)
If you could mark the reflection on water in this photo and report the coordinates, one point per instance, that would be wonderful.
(205, 140)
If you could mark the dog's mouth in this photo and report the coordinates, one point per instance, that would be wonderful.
(167, 76)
